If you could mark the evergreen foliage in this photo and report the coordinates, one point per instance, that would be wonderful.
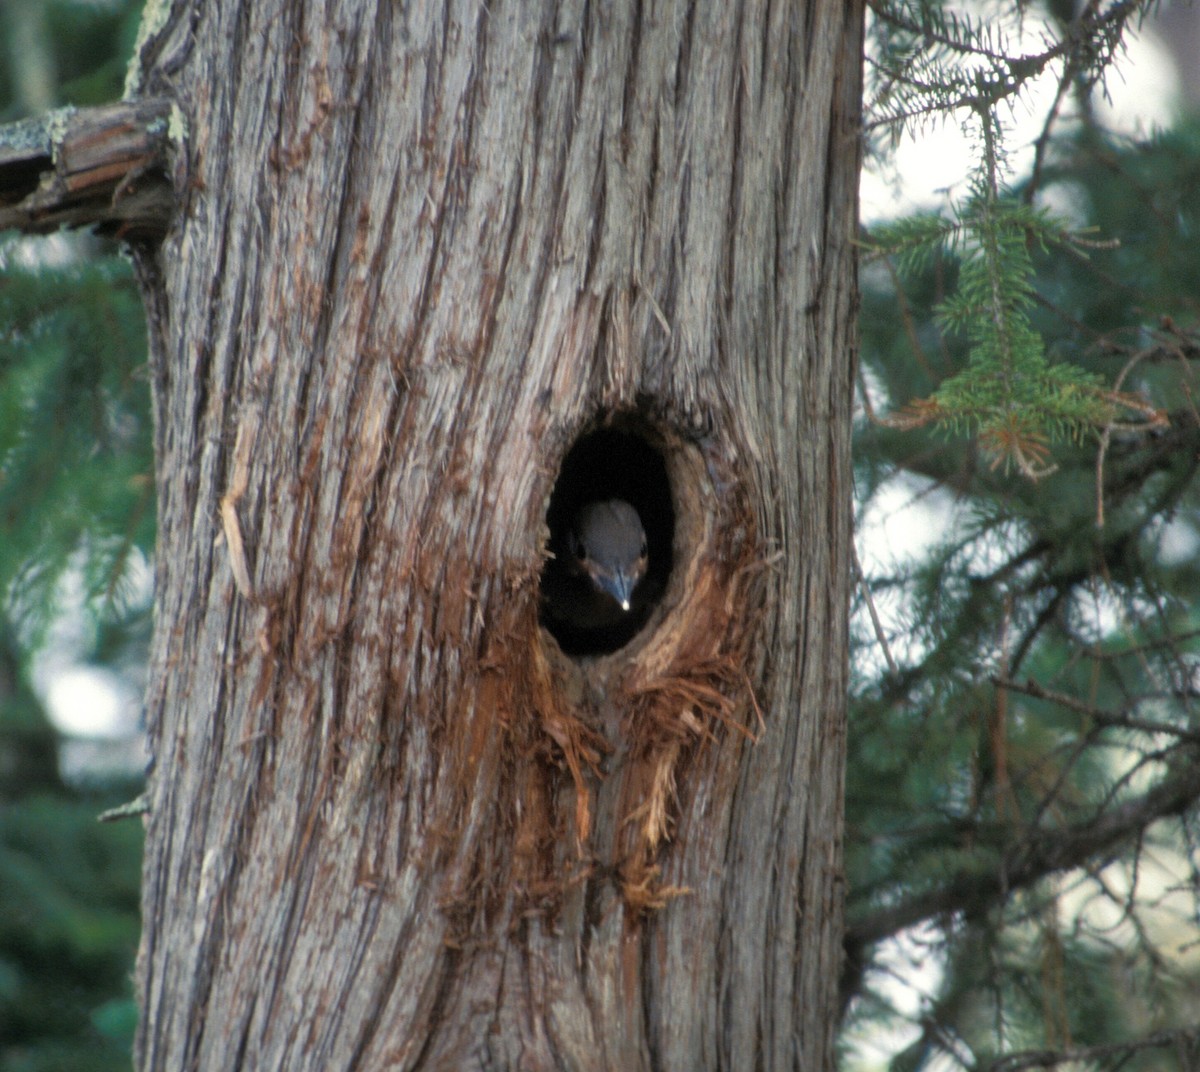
(76, 502)
(76, 471)
(1025, 741)
(76, 505)
(932, 62)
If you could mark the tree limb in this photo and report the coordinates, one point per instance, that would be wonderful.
(1042, 853)
(107, 166)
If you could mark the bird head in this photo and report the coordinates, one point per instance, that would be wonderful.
(608, 544)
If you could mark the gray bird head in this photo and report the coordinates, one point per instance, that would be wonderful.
(609, 545)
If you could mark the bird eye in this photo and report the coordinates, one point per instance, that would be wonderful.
(643, 551)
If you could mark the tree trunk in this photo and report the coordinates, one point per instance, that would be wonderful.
(422, 249)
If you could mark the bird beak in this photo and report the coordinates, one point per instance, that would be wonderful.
(620, 586)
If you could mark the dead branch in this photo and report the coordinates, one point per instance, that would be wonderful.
(107, 167)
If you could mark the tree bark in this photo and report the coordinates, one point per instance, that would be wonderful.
(423, 248)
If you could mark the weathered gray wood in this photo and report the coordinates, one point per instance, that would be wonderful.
(423, 247)
(77, 168)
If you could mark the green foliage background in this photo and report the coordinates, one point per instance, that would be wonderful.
(1022, 788)
(76, 509)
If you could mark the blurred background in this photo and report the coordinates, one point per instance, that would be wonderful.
(1022, 819)
(76, 533)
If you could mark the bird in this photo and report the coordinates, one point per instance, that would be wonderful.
(593, 584)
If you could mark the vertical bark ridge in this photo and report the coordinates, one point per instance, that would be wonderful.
(426, 247)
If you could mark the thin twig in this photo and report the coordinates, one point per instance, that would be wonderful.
(876, 624)
(1100, 716)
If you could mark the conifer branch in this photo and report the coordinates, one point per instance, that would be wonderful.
(930, 61)
(1040, 853)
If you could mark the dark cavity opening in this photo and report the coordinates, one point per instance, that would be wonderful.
(596, 543)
